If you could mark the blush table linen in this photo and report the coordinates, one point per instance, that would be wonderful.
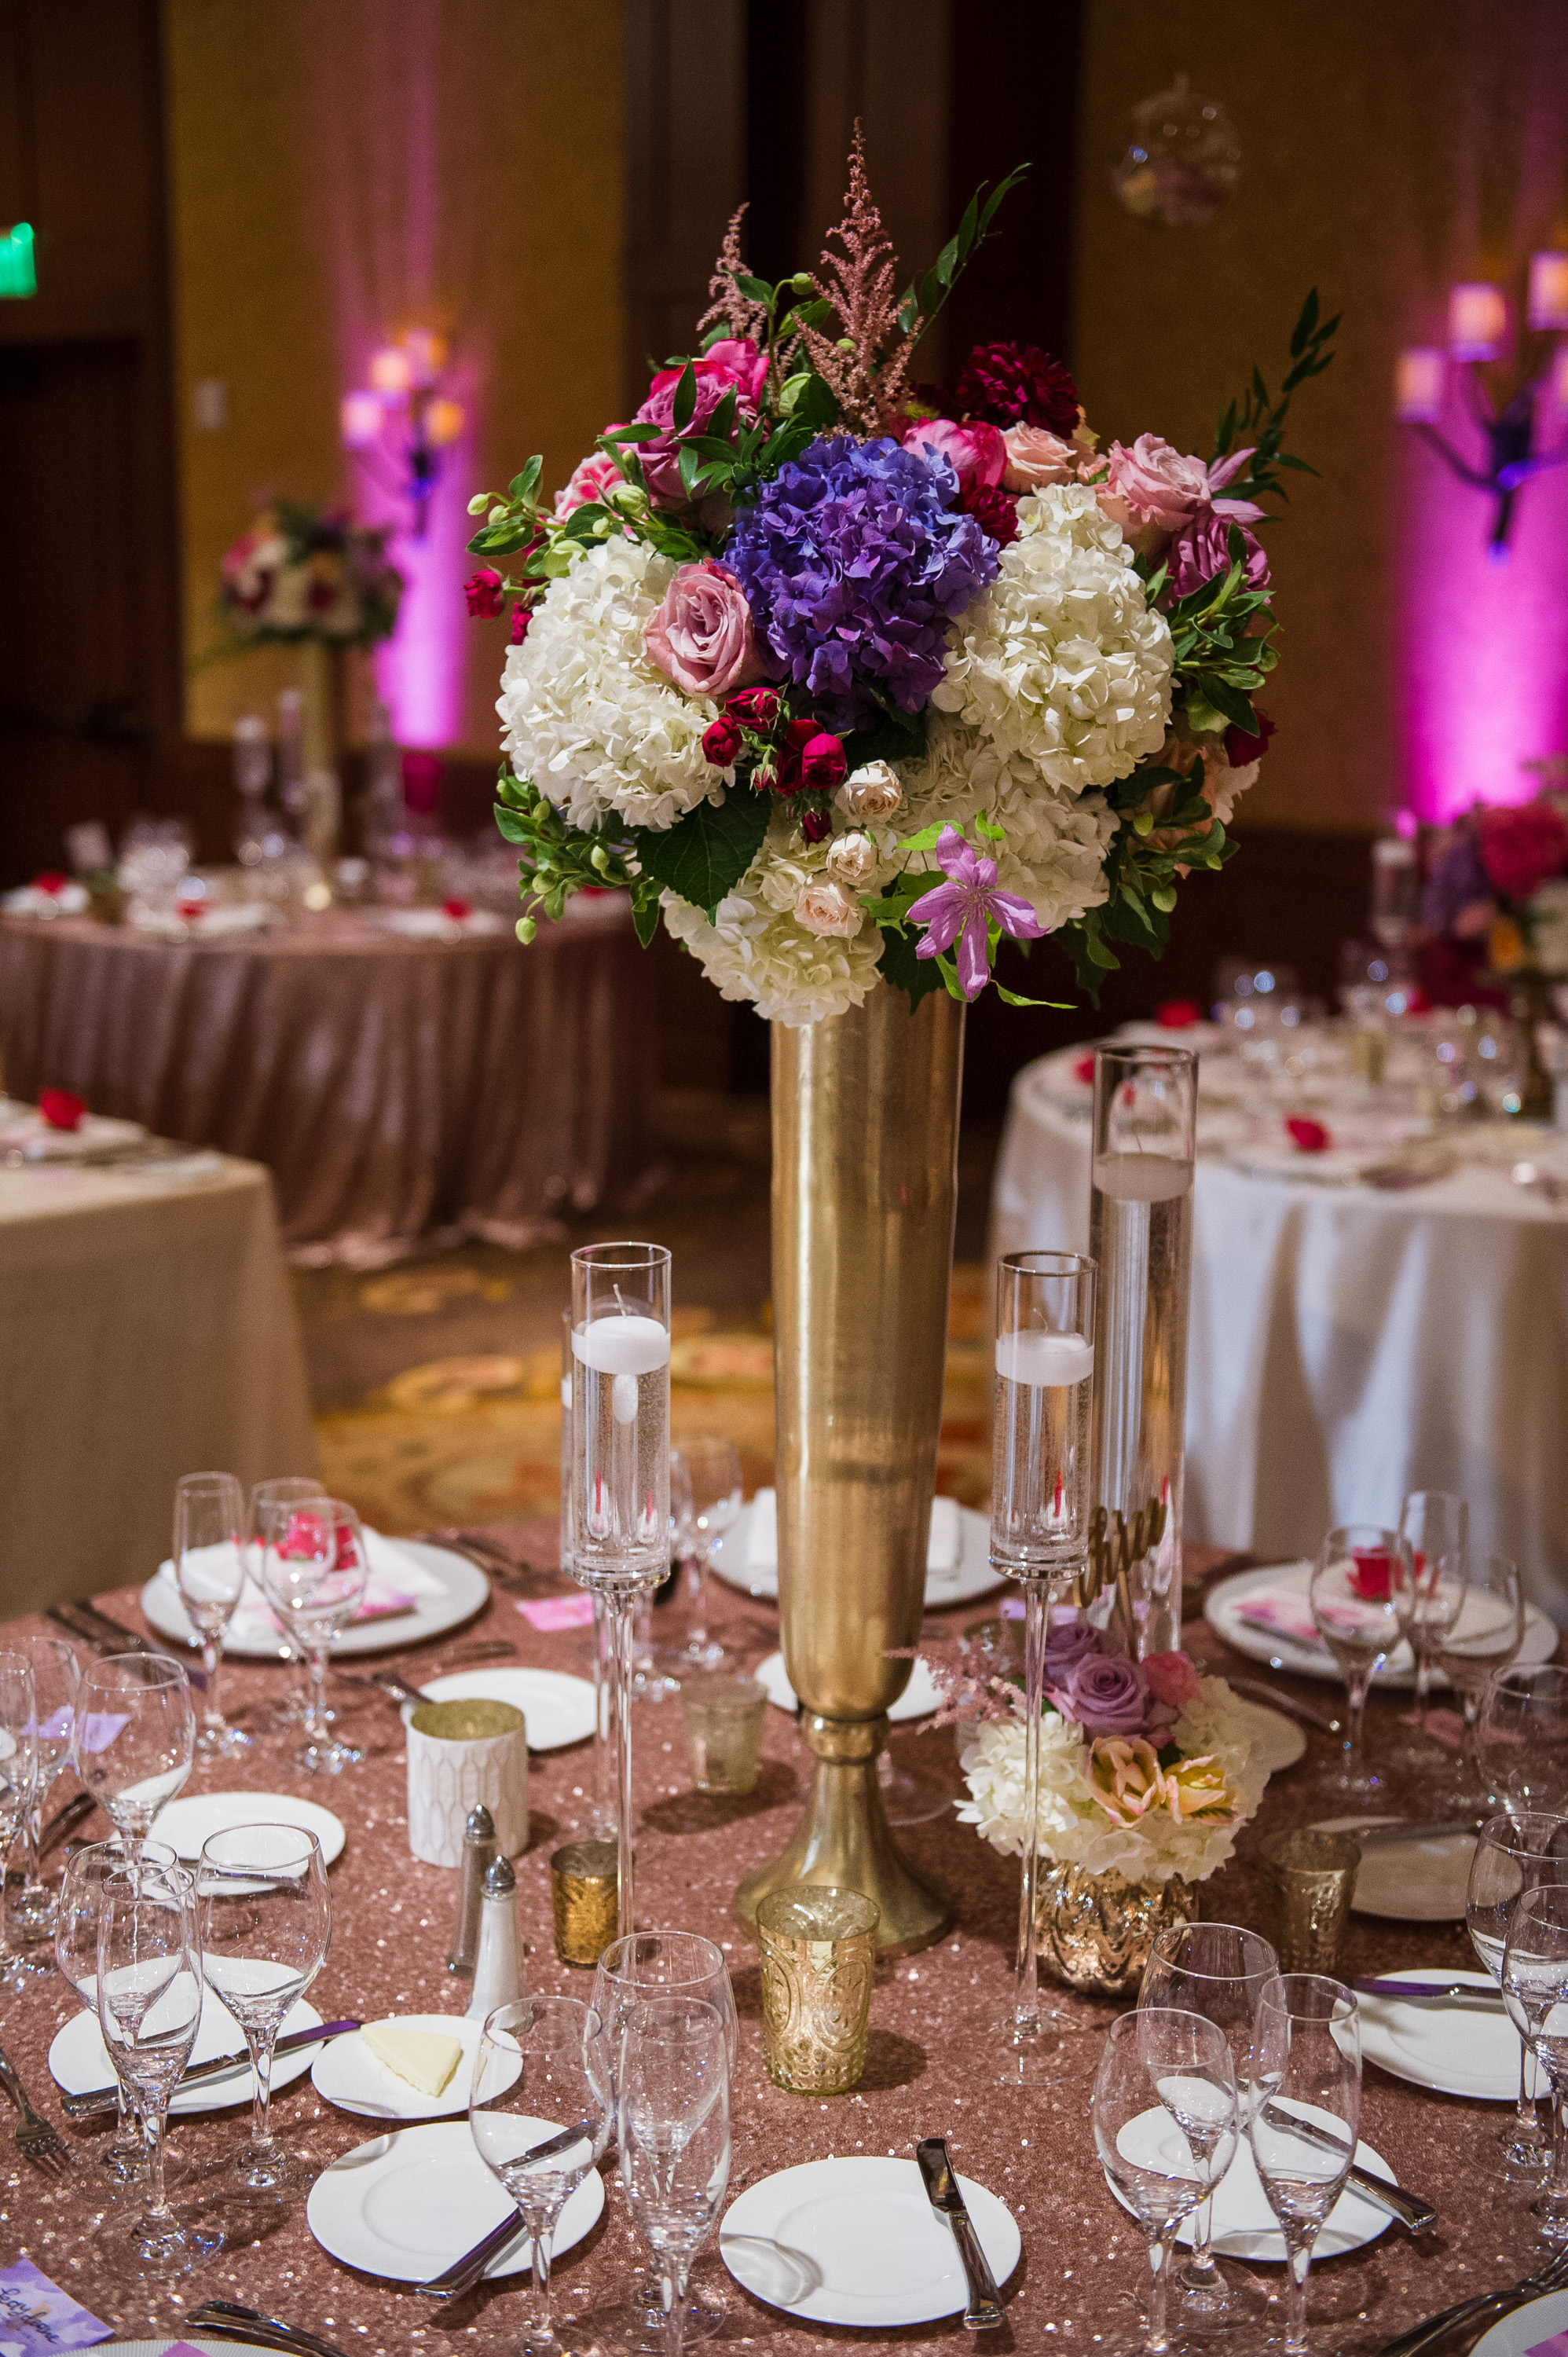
(931, 2067)
(1347, 1345)
(401, 1090)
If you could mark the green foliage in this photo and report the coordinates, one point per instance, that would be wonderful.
(902, 970)
(1255, 420)
(1221, 655)
(924, 297)
(558, 859)
(705, 855)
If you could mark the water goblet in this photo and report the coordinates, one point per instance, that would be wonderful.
(149, 2008)
(540, 2065)
(135, 1739)
(1521, 1739)
(1534, 1983)
(76, 1954)
(264, 1917)
(19, 1779)
(1218, 1970)
(271, 1503)
(56, 1674)
(1306, 2068)
(1163, 2113)
(209, 1569)
(1514, 1854)
(717, 1495)
(313, 1575)
(672, 2123)
(1484, 1638)
(1354, 1594)
(1429, 1587)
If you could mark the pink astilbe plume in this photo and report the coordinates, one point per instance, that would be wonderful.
(730, 308)
(867, 380)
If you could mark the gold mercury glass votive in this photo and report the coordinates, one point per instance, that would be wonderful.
(584, 1889)
(723, 1718)
(819, 1952)
(1309, 1880)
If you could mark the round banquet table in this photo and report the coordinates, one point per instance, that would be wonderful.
(1347, 1345)
(929, 2060)
(400, 1091)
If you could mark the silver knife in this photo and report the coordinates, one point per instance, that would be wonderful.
(1408, 2208)
(464, 2273)
(205, 2074)
(1463, 1994)
(984, 2309)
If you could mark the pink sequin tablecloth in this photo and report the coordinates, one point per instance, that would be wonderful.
(930, 2068)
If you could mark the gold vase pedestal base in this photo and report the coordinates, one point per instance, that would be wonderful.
(844, 1839)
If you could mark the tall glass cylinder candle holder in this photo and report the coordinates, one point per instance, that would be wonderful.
(598, 1807)
(618, 1524)
(1140, 1232)
(1040, 1535)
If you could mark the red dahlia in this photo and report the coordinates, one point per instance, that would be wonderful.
(1018, 385)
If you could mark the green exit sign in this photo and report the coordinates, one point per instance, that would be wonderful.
(17, 276)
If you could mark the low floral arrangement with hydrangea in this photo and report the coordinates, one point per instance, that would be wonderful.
(303, 571)
(1146, 1768)
(848, 679)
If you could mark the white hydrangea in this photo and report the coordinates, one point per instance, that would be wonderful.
(1062, 663)
(1056, 842)
(584, 714)
(756, 949)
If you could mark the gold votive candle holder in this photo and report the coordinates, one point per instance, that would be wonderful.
(819, 1954)
(1308, 1881)
(722, 1716)
(583, 1892)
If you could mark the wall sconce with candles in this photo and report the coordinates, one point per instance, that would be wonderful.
(1477, 333)
(401, 425)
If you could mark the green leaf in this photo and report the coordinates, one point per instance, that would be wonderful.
(902, 969)
(513, 829)
(756, 290)
(646, 432)
(645, 917)
(1163, 897)
(1227, 700)
(946, 261)
(1100, 953)
(892, 737)
(1301, 332)
(705, 855)
(691, 466)
(1011, 998)
(685, 400)
(1002, 188)
(499, 539)
(523, 486)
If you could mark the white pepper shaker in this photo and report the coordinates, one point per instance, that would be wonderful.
(497, 1969)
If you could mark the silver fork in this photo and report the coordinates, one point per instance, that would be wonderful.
(1553, 2276)
(36, 2140)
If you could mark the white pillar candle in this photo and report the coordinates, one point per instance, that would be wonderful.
(1043, 1360)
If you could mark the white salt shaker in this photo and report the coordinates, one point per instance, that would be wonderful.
(498, 1968)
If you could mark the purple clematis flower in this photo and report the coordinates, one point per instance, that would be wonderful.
(961, 910)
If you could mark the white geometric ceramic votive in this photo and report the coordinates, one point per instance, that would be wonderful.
(460, 1753)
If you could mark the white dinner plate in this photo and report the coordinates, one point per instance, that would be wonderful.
(559, 1708)
(1244, 2225)
(186, 1822)
(1278, 1742)
(459, 1589)
(1447, 2050)
(918, 1699)
(856, 2241)
(1526, 2328)
(78, 2060)
(1308, 1657)
(1409, 1882)
(349, 2074)
(411, 2203)
(971, 1577)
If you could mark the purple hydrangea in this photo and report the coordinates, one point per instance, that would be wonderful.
(854, 560)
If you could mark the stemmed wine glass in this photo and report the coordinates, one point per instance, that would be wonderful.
(1218, 1970)
(56, 1674)
(1522, 1737)
(539, 2066)
(135, 1739)
(1484, 1638)
(1039, 1534)
(18, 1780)
(1306, 2070)
(265, 1915)
(271, 1501)
(149, 2009)
(1433, 1545)
(1356, 1593)
(717, 1494)
(1534, 1983)
(1514, 1854)
(210, 1570)
(77, 1919)
(313, 1575)
(672, 2123)
(1164, 2110)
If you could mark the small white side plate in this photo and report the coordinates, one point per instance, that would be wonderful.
(856, 2241)
(1450, 2051)
(408, 2205)
(1278, 1742)
(918, 1699)
(78, 2060)
(1410, 1882)
(1526, 2328)
(559, 1708)
(1244, 2225)
(348, 2074)
(186, 1822)
(972, 1575)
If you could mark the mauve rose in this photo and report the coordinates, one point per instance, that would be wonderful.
(701, 636)
(1105, 1694)
(734, 359)
(1071, 1639)
(1035, 456)
(1203, 549)
(976, 453)
(721, 742)
(1152, 489)
(1172, 1678)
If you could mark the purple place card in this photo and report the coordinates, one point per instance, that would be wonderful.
(1556, 2347)
(549, 1613)
(182, 2349)
(36, 2317)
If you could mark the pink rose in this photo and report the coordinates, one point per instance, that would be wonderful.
(1203, 549)
(734, 359)
(733, 363)
(701, 636)
(1152, 490)
(1035, 456)
(589, 480)
(1171, 1677)
(976, 453)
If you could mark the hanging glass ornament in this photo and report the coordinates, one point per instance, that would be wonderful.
(1181, 161)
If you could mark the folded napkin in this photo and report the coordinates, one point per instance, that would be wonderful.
(944, 1549)
(1285, 1612)
(435, 925)
(396, 1582)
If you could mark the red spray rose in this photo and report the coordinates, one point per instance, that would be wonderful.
(1240, 749)
(721, 741)
(520, 618)
(798, 734)
(823, 764)
(483, 592)
(755, 708)
(816, 827)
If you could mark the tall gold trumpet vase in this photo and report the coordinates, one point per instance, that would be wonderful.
(865, 1187)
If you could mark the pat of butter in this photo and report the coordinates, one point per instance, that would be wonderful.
(424, 2060)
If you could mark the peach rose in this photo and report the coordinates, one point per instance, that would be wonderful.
(1197, 1788)
(1124, 1775)
(1172, 1678)
(701, 636)
(826, 907)
(1035, 456)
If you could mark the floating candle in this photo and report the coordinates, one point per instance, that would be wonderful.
(1043, 1360)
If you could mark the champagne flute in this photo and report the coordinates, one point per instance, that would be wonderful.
(18, 1780)
(717, 1494)
(1306, 2070)
(1354, 1593)
(1514, 1854)
(1486, 1637)
(76, 1953)
(672, 2122)
(264, 1917)
(1522, 1737)
(1165, 2118)
(1433, 1547)
(210, 1570)
(1534, 1983)
(135, 1739)
(539, 2066)
(56, 1675)
(313, 1573)
(1218, 1970)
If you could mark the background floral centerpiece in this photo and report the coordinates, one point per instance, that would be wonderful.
(848, 679)
(303, 572)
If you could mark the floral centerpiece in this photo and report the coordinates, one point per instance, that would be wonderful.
(847, 678)
(309, 573)
(1500, 881)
